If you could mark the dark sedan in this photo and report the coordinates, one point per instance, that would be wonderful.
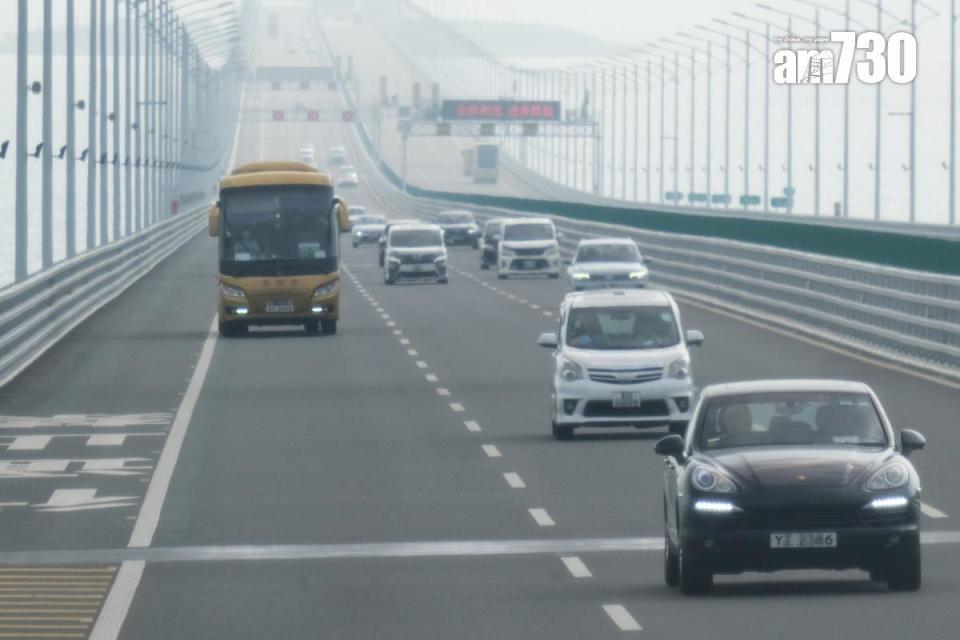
(790, 474)
(459, 227)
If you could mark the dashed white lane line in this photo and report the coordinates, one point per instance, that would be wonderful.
(29, 443)
(379, 309)
(514, 480)
(404, 341)
(548, 313)
(534, 306)
(576, 567)
(622, 618)
(412, 352)
(541, 517)
(472, 425)
(391, 323)
(443, 392)
(491, 450)
(931, 512)
(421, 364)
(456, 407)
(385, 316)
(432, 377)
(397, 332)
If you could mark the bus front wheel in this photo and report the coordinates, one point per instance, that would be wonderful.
(328, 327)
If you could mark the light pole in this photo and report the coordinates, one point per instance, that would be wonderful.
(92, 131)
(70, 214)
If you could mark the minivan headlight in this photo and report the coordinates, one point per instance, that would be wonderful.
(232, 292)
(580, 275)
(639, 274)
(507, 253)
(570, 371)
(552, 251)
(679, 369)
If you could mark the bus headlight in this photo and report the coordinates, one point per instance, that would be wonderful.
(230, 291)
(326, 289)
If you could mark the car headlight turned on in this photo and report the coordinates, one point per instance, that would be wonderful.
(230, 291)
(887, 503)
(710, 481)
(326, 289)
(639, 274)
(890, 476)
(718, 507)
(570, 371)
(580, 275)
(679, 369)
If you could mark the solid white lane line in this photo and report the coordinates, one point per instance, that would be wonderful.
(472, 425)
(621, 617)
(412, 352)
(443, 392)
(432, 377)
(931, 512)
(421, 364)
(576, 567)
(514, 480)
(541, 517)
(404, 341)
(121, 594)
(491, 450)
(456, 407)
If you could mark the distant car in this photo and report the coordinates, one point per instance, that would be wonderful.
(337, 155)
(386, 230)
(459, 227)
(791, 474)
(490, 240)
(528, 246)
(367, 229)
(356, 212)
(307, 153)
(607, 262)
(621, 359)
(415, 251)
(348, 177)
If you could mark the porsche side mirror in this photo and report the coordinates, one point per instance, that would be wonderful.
(910, 441)
(670, 446)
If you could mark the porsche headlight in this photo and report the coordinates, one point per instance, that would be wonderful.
(570, 371)
(679, 369)
(231, 291)
(710, 481)
(326, 289)
(890, 476)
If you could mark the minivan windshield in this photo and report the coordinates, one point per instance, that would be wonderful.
(653, 327)
(528, 231)
(416, 238)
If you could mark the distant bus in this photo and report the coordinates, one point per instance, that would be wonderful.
(486, 163)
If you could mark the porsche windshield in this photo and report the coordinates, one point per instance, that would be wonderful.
(456, 218)
(277, 225)
(608, 253)
(791, 419)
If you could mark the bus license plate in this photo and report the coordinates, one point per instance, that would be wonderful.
(804, 540)
(627, 399)
(280, 306)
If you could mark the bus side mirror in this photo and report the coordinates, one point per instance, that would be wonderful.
(343, 214)
(213, 220)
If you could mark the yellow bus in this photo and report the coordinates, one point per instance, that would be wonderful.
(278, 226)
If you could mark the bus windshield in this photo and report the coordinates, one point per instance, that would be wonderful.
(278, 230)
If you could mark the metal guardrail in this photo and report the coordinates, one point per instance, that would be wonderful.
(36, 313)
(900, 316)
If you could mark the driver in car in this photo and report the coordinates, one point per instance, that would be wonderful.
(247, 246)
(587, 333)
(737, 423)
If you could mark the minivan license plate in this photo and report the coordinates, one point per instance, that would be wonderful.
(627, 399)
(804, 540)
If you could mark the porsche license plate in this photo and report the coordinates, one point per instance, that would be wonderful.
(804, 540)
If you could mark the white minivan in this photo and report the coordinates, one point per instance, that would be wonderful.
(620, 359)
(528, 246)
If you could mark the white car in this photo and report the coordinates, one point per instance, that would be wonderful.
(601, 263)
(528, 246)
(337, 155)
(620, 359)
(348, 176)
(367, 229)
(415, 251)
(307, 154)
